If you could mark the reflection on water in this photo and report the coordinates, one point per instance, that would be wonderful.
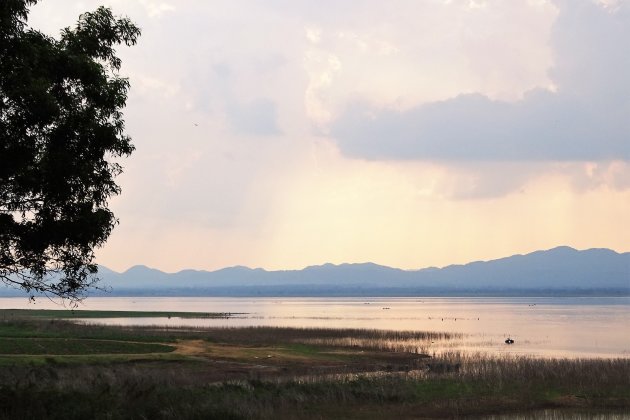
(568, 327)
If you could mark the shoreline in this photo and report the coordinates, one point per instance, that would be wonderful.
(267, 372)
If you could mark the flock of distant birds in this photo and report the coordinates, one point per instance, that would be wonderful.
(509, 340)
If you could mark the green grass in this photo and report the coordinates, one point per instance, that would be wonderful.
(90, 314)
(61, 328)
(101, 361)
(446, 388)
(72, 346)
(40, 342)
(303, 349)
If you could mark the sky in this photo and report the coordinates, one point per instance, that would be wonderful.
(410, 133)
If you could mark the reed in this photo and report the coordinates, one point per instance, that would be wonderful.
(482, 385)
(327, 373)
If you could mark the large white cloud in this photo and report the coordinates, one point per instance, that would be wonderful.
(229, 101)
(585, 117)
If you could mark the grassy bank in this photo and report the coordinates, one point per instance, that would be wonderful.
(91, 314)
(86, 371)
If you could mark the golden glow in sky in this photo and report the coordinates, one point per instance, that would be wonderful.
(407, 133)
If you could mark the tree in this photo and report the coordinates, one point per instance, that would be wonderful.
(61, 130)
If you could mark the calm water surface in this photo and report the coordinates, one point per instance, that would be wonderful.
(567, 327)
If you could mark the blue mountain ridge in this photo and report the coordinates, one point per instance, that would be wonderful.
(554, 269)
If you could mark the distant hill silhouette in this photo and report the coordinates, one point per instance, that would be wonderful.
(555, 270)
(558, 271)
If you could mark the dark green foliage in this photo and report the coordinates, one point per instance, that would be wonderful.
(65, 346)
(61, 127)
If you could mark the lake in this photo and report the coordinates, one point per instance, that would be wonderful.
(548, 327)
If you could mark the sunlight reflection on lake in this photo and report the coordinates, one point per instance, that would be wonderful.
(568, 327)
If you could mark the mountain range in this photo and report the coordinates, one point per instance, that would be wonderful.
(554, 272)
(558, 270)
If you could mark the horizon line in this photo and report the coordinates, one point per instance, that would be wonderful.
(361, 263)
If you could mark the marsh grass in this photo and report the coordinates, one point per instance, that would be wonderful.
(487, 386)
(166, 386)
(344, 337)
(42, 326)
(414, 342)
(379, 344)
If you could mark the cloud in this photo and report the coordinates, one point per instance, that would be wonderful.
(586, 117)
(258, 117)
(228, 169)
(155, 10)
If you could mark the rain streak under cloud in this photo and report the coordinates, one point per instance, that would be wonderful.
(288, 133)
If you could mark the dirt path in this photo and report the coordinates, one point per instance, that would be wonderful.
(191, 347)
